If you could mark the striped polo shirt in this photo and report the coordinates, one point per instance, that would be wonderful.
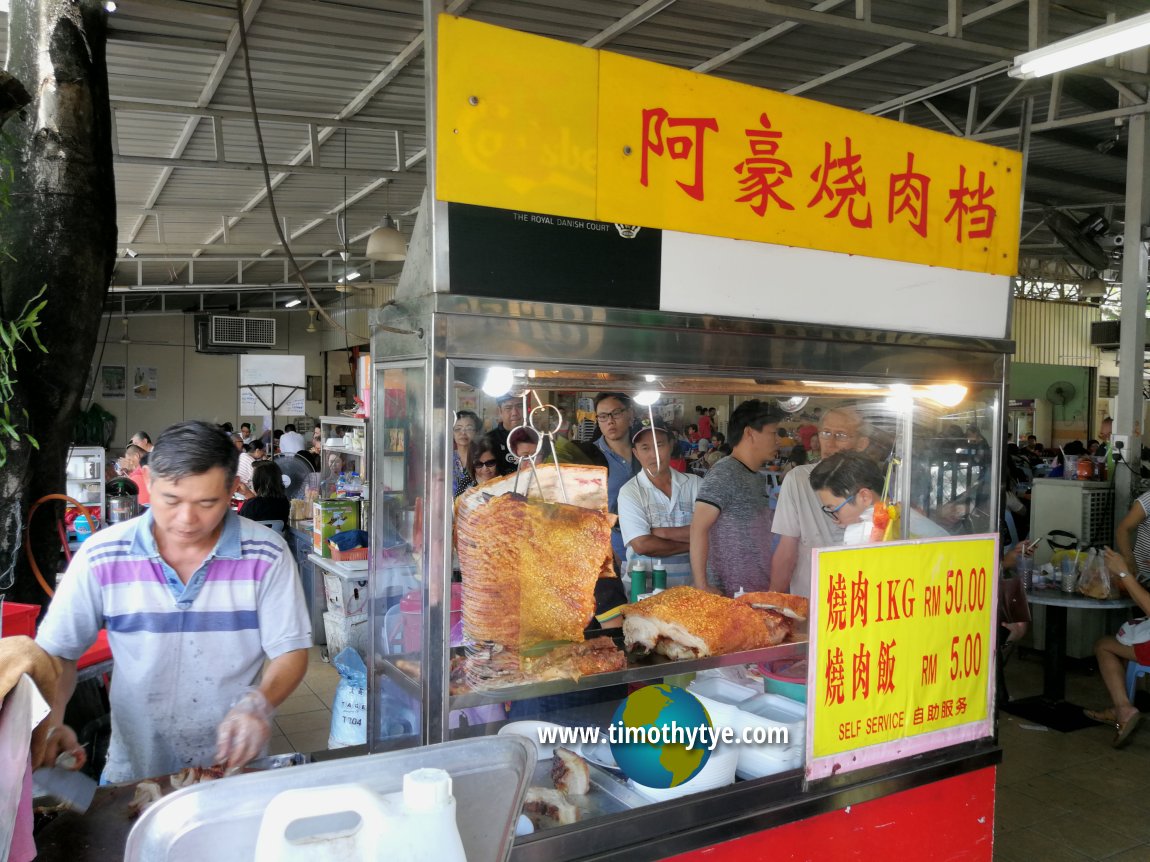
(183, 653)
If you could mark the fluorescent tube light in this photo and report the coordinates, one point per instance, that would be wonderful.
(292, 303)
(1087, 47)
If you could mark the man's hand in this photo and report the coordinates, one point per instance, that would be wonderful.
(60, 739)
(245, 730)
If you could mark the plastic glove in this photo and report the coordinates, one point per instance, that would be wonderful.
(245, 730)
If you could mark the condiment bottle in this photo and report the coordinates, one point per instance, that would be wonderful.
(638, 580)
(658, 576)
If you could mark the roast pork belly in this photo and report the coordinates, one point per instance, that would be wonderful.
(686, 623)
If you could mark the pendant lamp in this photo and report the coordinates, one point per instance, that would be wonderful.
(386, 242)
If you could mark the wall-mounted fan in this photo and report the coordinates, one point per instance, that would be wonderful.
(793, 404)
(1080, 237)
(1059, 393)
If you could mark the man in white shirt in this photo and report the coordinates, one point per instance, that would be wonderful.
(291, 441)
(799, 520)
(656, 505)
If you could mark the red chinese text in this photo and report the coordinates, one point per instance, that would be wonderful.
(835, 677)
(686, 146)
(909, 193)
(837, 603)
(886, 659)
(973, 217)
(841, 180)
(763, 171)
(860, 675)
(859, 587)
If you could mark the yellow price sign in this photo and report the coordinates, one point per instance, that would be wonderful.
(902, 643)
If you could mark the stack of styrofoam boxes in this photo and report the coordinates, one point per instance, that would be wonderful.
(345, 620)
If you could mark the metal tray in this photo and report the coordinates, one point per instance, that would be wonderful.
(489, 776)
(608, 793)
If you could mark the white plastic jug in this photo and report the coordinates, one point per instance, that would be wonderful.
(352, 823)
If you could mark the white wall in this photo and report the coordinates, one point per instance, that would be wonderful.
(190, 385)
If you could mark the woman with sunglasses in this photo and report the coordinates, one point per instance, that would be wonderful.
(486, 462)
(848, 485)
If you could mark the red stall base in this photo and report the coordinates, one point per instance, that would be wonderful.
(951, 819)
(20, 619)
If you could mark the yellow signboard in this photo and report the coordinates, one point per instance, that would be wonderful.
(538, 125)
(901, 641)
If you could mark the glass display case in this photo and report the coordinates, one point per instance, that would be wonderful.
(916, 394)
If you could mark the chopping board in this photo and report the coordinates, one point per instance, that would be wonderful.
(95, 836)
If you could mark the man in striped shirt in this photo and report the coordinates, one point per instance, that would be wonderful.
(195, 600)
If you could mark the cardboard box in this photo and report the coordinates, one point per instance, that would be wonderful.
(330, 517)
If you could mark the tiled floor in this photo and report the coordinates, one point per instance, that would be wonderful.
(1069, 796)
(303, 721)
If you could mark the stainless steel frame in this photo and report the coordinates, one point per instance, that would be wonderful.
(453, 333)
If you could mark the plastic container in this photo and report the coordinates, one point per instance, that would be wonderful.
(658, 576)
(411, 607)
(18, 619)
(786, 677)
(773, 710)
(350, 823)
(84, 528)
(638, 581)
(721, 689)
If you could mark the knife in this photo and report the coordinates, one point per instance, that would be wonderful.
(74, 789)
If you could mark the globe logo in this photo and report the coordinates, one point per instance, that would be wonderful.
(650, 738)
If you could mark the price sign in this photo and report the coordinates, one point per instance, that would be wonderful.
(902, 640)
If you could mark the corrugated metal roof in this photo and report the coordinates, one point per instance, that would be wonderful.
(358, 64)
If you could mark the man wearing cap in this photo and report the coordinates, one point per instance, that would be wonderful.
(655, 507)
(510, 417)
(800, 522)
(731, 539)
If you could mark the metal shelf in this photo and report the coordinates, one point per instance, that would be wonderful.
(650, 667)
(359, 453)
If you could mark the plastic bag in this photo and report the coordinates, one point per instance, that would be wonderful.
(1094, 580)
(349, 710)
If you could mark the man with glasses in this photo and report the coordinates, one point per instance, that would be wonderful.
(799, 520)
(614, 416)
(731, 536)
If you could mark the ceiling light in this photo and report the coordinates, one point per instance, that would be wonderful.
(131, 252)
(351, 276)
(646, 397)
(1086, 47)
(109, 6)
(292, 303)
(386, 242)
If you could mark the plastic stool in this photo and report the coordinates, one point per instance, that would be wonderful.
(1133, 671)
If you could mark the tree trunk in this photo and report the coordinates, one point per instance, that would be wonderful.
(60, 231)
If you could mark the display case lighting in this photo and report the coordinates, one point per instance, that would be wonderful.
(498, 381)
(646, 397)
(947, 394)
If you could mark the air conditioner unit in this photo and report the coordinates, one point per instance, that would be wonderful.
(1106, 335)
(222, 334)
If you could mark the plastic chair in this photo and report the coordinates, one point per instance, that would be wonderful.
(392, 631)
(1133, 671)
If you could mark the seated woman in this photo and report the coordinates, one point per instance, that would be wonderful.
(487, 463)
(848, 485)
(1113, 651)
(270, 502)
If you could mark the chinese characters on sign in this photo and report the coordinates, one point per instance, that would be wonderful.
(900, 641)
(838, 177)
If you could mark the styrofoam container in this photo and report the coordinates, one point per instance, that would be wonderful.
(718, 772)
(721, 689)
(346, 631)
(773, 710)
(345, 596)
(756, 761)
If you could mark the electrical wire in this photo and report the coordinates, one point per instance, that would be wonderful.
(84, 513)
(271, 194)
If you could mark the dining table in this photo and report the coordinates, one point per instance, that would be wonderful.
(1050, 708)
